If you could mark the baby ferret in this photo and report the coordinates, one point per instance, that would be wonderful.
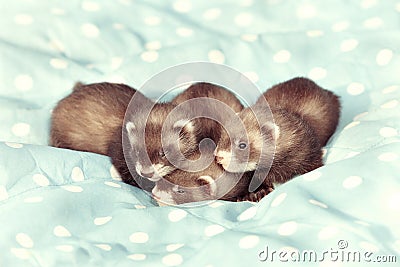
(86, 119)
(210, 183)
(319, 107)
(181, 135)
(289, 136)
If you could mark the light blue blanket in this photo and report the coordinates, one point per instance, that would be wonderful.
(66, 208)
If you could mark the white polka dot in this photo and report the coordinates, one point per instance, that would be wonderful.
(137, 257)
(213, 230)
(33, 199)
(116, 62)
(247, 214)
(90, 30)
(72, 188)
(243, 19)
(216, 56)
(14, 145)
(314, 33)
(287, 228)
(40, 180)
(212, 14)
(57, 11)
(24, 240)
(177, 215)
(139, 207)
(362, 223)
(388, 132)
(368, 3)
(61, 231)
(312, 176)
(118, 26)
(172, 259)
(139, 237)
(23, 19)
(317, 73)
(153, 45)
(355, 88)
(306, 11)
(390, 104)
(368, 246)
(398, 7)
(104, 247)
(21, 253)
(348, 45)
(393, 201)
(248, 37)
(388, 156)
(327, 232)
(90, 6)
(249, 241)
(21, 129)
(65, 248)
(351, 154)
(340, 26)
(216, 204)
(173, 247)
(184, 31)
(317, 203)
(351, 125)
(149, 56)
(373, 23)
(112, 184)
(3, 193)
(77, 175)
(246, 3)
(182, 6)
(57, 45)
(282, 56)
(58, 63)
(384, 57)
(352, 182)
(102, 220)
(390, 89)
(278, 200)
(252, 76)
(23, 82)
(114, 173)
(152, 20)
(359, 116)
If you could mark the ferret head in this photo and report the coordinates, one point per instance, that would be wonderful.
(150, 152)
(238, 151)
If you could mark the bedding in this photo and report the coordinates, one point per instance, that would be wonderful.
(60, 207)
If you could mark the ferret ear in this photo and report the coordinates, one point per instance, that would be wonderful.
(270, 129)
(208, 184)
(184, 124)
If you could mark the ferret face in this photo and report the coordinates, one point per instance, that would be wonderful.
(150, 156)
(191, 188)
(249, 149)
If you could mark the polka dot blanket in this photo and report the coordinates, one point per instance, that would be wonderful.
(61, 207)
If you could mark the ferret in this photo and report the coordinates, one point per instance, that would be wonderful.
(170, 134)
(211, 183)
(86, 119)
(285, 143)
(319, 107)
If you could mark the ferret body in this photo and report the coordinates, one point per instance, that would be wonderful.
(319, 107)
(86, 119)
(291, 136)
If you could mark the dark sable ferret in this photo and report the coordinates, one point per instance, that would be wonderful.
(304, 118)
(319, 107)
(86, 119)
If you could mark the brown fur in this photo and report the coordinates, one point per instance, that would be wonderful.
(86, 119)
(319, 107)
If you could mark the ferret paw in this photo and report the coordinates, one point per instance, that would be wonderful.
(256, 196)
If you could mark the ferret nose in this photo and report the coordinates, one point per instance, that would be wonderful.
(218, 158)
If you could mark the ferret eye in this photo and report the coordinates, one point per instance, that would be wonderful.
(180, 191)
(161, 153)
(242, 145)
